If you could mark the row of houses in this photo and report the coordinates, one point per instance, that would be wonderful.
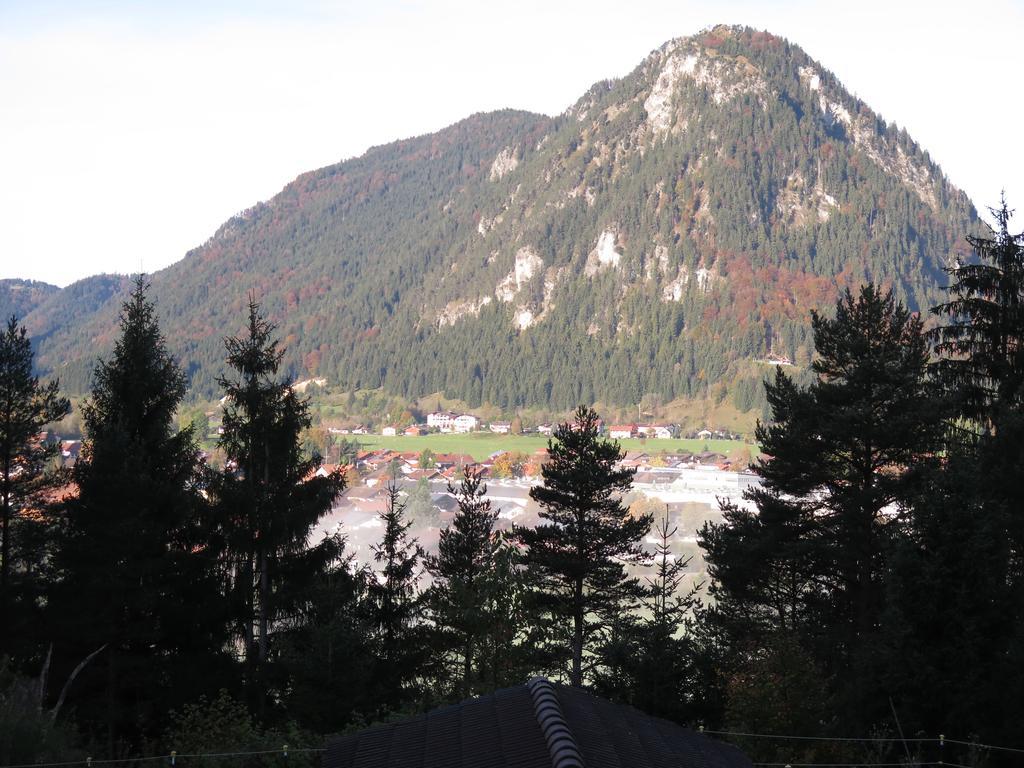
(657, 431)
(462, 423)
(378, 466)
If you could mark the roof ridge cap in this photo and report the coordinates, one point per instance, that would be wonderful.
(565, 752)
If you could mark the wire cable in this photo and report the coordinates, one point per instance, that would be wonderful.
(984, 746)
(872, 739)
(175, 756)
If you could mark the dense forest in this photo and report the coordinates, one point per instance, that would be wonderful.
(866, 599)
(666, 232)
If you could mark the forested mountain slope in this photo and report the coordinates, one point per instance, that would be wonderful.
(19, 297)
(666, 232)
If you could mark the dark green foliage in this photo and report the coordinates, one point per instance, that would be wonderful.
(136, 569)
(26, 406)
(951, 650)
(466, 551)
(268, 500)
(779, 687)
(223, 725)
(419, 505)
(982, 347)
(649, 661)
(576, 559)
(476, 598)
(328, 655)
(845, 457)
(395, 609)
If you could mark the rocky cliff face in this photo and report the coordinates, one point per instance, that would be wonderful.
(665, 232)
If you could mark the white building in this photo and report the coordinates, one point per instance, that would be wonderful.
(501, 427)
(442, 420)
(389, 431)
(467, 422)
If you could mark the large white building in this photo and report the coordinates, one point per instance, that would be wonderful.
(442, 420)
(466, 423)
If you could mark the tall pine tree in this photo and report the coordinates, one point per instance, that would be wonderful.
(134, 557)
(981, 348)
(577, 558)
(845, 461)
(462, 571)
(26, 406)
(649, 663)
(269, 498)
(395, 608)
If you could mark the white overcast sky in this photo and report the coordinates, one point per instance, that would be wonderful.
(130, 131)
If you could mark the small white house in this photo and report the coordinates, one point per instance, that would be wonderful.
(501, 427)
(622, 432)
(663, 432)
(389, 431)
(704, 434)
(467, 422)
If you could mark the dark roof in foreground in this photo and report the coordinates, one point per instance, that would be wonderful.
(537, 725)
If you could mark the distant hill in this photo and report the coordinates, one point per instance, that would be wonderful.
(661, 237)
(19, 297)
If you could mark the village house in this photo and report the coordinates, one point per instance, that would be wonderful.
(545, 429)
(69, 451)
(466, 423)
(415, 431)
(622, 432)
(635, 459)
(658, 431)
(389, 432)
(501, 427)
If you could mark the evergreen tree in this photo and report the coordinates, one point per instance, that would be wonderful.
(968, 522)
(506, 648)
(134, 557)
(577, 558)
(26, 406)
(466, 553)
(396, 608)
(846, 456)
(269, 499)
(327, 653)
(649, 662)
(982, 347)
(419, 505)
(952, 646)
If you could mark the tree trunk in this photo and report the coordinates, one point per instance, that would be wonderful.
(264, 596)
(577, 635)
(467, 665)
(5, 548)
(111, 704)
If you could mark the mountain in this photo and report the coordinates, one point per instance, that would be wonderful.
(19, 297)
(661, 237)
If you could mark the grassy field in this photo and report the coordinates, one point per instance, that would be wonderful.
(480, 445)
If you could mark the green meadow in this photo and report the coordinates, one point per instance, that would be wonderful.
(480, 445)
